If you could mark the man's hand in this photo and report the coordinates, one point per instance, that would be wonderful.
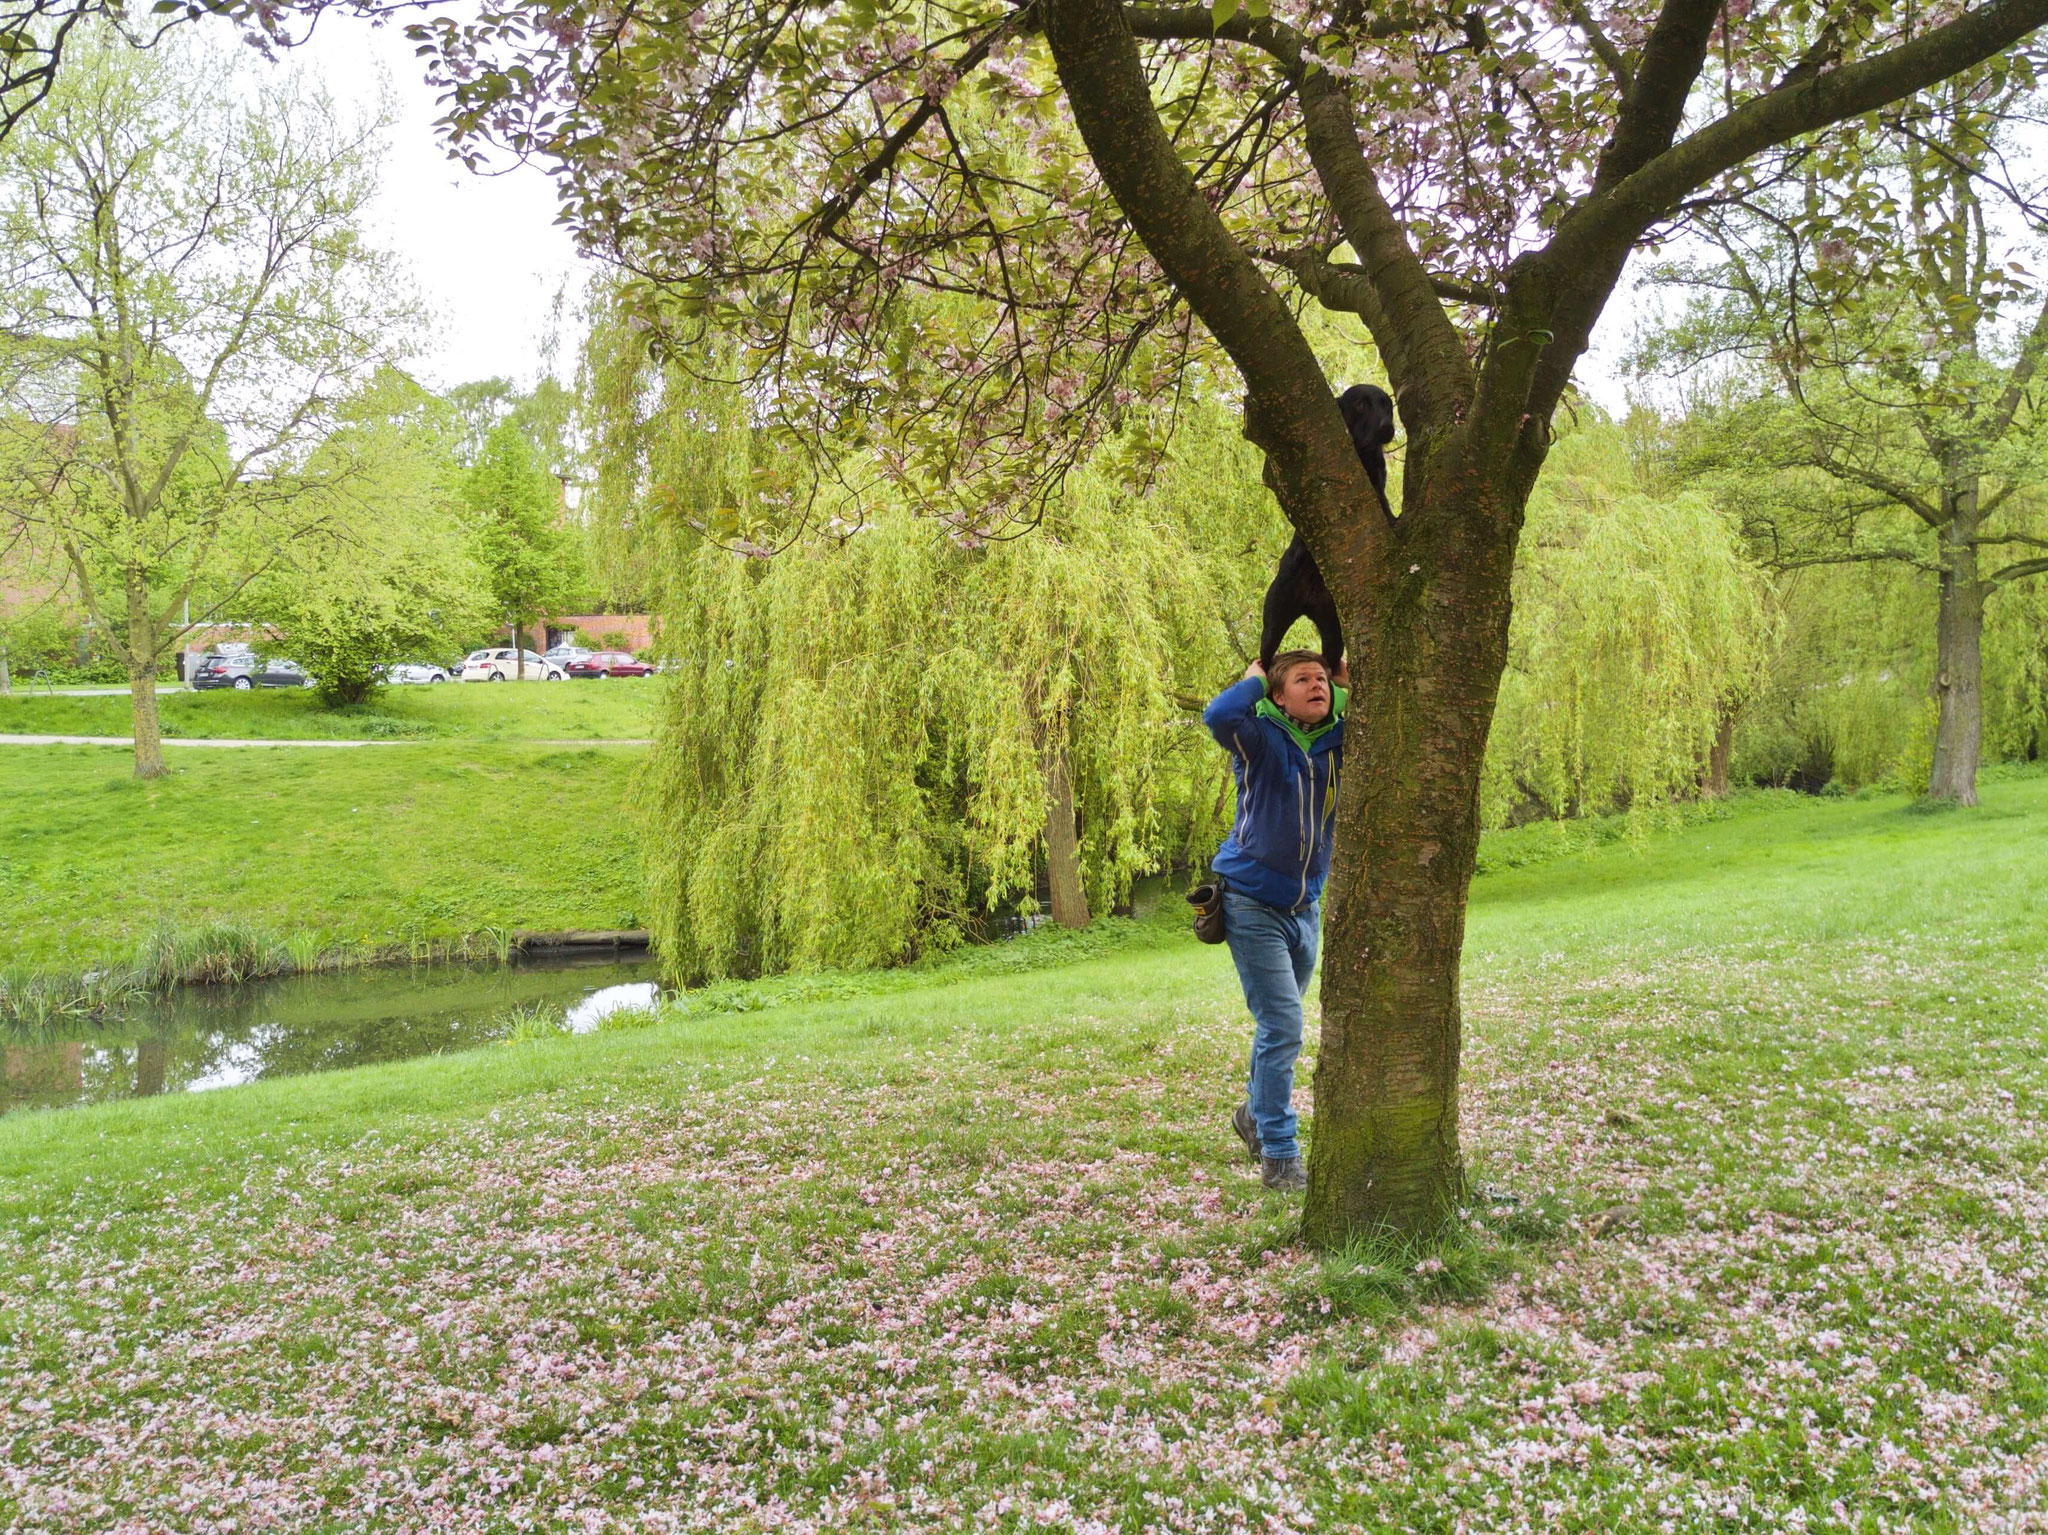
(1342, 675)
(1255, 670)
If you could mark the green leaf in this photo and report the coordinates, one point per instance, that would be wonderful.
(1220, 14)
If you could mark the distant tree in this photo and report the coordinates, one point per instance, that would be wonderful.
(32, 623)
(185, 295)
(390, 575)
(531, 558)
(479, 406)
(545, 413)
(1890, 331)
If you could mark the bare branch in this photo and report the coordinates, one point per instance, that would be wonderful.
(2019, 572)
(840, 203)
(1603, 47)
(1904, 495)
(2023, 367)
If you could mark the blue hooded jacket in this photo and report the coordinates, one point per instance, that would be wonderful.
(1279, 849)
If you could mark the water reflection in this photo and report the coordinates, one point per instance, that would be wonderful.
(203, 1037)
(600, 1005)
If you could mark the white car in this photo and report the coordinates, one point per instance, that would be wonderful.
(563, 654)
(405, 673)
(503, 666)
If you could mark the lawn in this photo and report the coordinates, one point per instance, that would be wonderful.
(1753, 1114)
(373, 846)
(613, 708)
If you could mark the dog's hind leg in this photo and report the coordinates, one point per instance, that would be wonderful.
(1283, 607)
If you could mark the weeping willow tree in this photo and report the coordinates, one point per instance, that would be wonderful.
(2016, 701)
(886, 728)
(1640, 628)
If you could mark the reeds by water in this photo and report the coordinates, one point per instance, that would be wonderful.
(32, 1003)
(213, 953)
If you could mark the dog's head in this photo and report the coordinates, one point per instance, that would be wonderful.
(1369, 412)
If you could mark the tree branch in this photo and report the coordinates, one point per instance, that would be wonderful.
(1910, 499)
(1652, 112)
(2018, 572)
(1603, 47)
(1289, 406)
(2022, 374)
(1651, 192)
(1425, 358)
(1414, 336)
(1643, 177)
(1860, 557)
(840, 203)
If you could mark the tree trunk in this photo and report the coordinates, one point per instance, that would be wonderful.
(1714, 783)
(1063, 847)
(1958, 669)
(141, 658)
(1431, 634)
(519, 650)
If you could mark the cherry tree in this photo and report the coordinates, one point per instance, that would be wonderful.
(969, 232)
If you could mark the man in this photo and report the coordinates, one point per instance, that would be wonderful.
(1285, 736)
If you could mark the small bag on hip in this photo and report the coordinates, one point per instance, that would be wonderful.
(1207, 901)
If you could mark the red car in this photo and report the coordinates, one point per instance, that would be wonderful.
(610, 663)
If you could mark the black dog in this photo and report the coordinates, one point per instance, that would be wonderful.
(1298, 590)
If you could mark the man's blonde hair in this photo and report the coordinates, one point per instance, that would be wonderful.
(1285, 663)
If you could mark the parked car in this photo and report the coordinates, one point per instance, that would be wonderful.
(503, 666)
(407, 673)
(562, 654)
(242, 671)
(610, 663)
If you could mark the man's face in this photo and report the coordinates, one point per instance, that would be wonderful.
(1305, 694)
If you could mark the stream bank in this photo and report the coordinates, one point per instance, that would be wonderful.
(192, 1038)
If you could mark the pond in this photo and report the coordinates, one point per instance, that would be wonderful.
(201, 1037)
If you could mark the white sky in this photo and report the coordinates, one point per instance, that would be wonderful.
(484, 250)
(490, 259)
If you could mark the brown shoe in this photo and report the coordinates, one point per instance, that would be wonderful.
(1241, 1122)
(1287, 1175)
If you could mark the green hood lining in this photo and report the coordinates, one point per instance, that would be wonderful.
(1305, 738)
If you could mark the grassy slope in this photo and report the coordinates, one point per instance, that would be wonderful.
(607, 709)
(375, 845)
(902, 1260)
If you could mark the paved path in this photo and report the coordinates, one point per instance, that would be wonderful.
(23, 689)
(8, 740)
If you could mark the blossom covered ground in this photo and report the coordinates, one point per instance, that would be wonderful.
(1754, 1244)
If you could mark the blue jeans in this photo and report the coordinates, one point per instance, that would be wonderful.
(1275, 954)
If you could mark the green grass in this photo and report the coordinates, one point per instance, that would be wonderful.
(1754, 1115)
(364, 849)
(614, 708)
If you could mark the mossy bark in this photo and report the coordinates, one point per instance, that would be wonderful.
(1431, 639)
